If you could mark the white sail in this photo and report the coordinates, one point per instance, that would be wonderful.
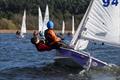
(46, 19)
(63, 27)
(40, 22)
(73, 26)
(103, 23)
(23, 27)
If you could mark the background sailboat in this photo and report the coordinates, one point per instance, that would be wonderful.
(73, 26)
(63, 27)
(46, 19)
(23, 27)
(40, 21)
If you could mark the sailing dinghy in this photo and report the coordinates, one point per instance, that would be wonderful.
(23, 27)
(40, 21)
(73, 26)
(62, 33)
(63, 27)
(46, 19)
(101, 22)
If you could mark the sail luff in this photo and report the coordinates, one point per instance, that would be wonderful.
(40, 22)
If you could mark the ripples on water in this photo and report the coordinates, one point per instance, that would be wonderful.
(19, 60)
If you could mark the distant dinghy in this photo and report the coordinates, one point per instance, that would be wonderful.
(63, 27)
(23, 27)
(73, 26)
(46, 19)
(40, 20)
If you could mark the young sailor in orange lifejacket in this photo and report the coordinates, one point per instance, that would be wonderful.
(52, 39)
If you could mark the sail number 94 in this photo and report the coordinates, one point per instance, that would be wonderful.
(106, 3)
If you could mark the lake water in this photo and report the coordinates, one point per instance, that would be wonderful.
(19, 60)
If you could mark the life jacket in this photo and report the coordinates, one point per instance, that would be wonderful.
(51, 37)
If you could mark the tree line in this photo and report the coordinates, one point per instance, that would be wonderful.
(11, 12)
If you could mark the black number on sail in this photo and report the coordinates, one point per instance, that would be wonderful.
(106, 3)
(115, 2)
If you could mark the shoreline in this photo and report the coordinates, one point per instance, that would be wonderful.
(28, 31)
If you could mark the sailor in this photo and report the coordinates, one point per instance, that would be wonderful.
(51, 38)
(39, 43)
(51, 41)
(17, 33)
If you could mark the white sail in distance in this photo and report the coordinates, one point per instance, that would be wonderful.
(40, 21)
(73, 26)
(63, 27)
(46, 19)
(103, 23)
(23, 27)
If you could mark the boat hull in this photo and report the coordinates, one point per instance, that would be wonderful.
(81, 58)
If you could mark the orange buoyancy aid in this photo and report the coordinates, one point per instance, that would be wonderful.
(51, 37)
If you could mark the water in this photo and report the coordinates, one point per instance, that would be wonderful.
(19, 60)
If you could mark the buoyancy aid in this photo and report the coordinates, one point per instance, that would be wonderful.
(51, 37)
